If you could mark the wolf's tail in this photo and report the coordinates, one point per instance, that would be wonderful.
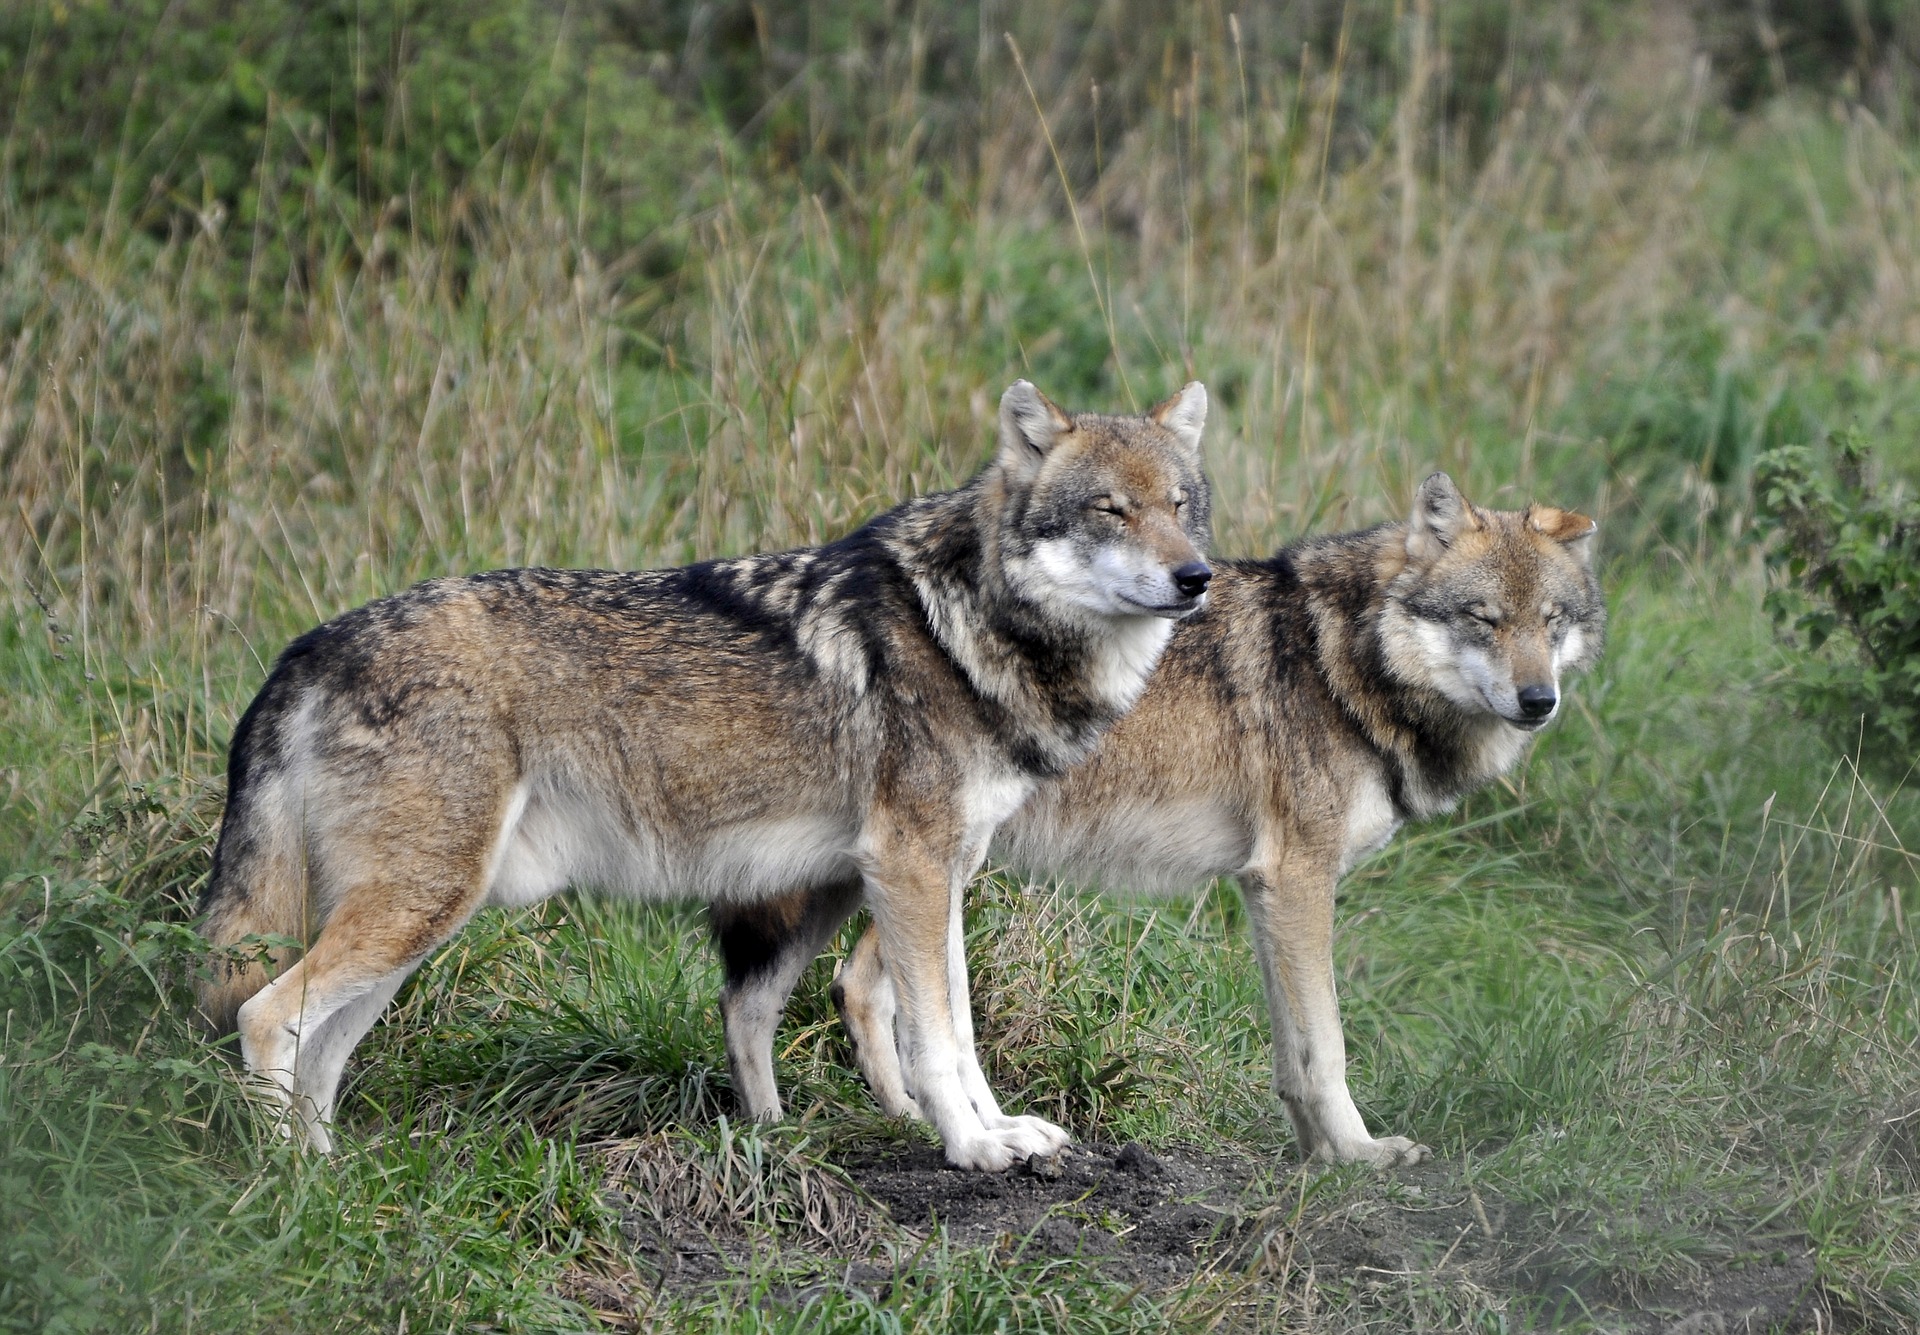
(259, 884)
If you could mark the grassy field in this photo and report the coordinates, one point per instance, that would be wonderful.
(1653, 1002)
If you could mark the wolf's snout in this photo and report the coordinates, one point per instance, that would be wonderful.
(1192, 579)
(1536, 702)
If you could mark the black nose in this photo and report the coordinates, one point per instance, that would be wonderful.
(1191, 579)
(1537, 701)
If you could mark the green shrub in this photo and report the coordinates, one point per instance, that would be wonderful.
(302, 113)
(1849, 549)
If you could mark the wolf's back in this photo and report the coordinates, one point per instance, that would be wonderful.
(259, 884)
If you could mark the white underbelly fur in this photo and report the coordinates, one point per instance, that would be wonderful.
(1167, 848)
(561, 840)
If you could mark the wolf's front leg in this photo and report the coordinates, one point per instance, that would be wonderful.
(910, 890)
(1291, 909)
(972, 1078)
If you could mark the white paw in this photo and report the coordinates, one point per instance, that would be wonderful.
(1386, 1152)
(318, 1139)
(1000, 1148)
(1046, 1138)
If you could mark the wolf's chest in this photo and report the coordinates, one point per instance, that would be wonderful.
(1371, 821)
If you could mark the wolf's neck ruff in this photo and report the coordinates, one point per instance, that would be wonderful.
(1046, 685)
(1433, 752)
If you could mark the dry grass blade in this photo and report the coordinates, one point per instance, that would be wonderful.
(741, 1185)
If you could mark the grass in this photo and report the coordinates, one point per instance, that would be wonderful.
(1656, 994)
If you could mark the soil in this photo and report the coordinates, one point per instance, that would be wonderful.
(1154, 1218)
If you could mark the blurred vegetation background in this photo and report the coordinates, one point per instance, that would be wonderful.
(302, 300)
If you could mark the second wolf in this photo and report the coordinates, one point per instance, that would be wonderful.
(1326, 696)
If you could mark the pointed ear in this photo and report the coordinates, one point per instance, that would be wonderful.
(1440, 515)
(1029, 426)
(1569, 528)
(1185, 414)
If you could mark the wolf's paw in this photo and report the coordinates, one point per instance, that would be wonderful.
(291, 1116)
(1050, 1138)
(1386, 1152)
(1399, 1152)
(305, 1132)
(999, 1148)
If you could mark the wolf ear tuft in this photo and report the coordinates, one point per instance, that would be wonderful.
(1029, 426)
(1569, 528)
(1185, 414)
(1440, 515)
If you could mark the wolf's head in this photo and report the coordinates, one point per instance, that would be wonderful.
(1107, 516)
(1494, 606)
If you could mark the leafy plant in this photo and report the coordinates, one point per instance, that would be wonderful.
(204, 115)
(1849, 548)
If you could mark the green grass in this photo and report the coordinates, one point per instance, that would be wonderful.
(1656, 994)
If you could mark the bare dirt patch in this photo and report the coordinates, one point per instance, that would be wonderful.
(1156, 1217)
(1153, 1217)
(1159, 1218)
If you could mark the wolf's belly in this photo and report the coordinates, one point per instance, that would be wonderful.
(1163, 848)
(559, 840)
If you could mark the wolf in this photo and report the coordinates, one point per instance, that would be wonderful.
(1325, 697)
(857, 717)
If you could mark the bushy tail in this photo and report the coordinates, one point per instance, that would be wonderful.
(259, 884)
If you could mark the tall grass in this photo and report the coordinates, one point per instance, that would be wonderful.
(1592, 301)
(1661, 980)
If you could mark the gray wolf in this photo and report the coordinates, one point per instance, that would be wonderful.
(858, 716)
(1326, 696)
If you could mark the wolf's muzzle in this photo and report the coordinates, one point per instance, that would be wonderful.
(1192, 579)
(1536, 702)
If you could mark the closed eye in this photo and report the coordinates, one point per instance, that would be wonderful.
(1486, 616)
(1106, 505)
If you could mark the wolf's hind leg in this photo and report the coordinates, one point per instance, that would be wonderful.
(375, 936)
(863, 994)
(765, 948)
(323, 1054)
(1291, 908)
(283, 1042)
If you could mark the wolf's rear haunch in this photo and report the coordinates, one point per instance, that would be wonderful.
(259, 885)
(860, 715)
